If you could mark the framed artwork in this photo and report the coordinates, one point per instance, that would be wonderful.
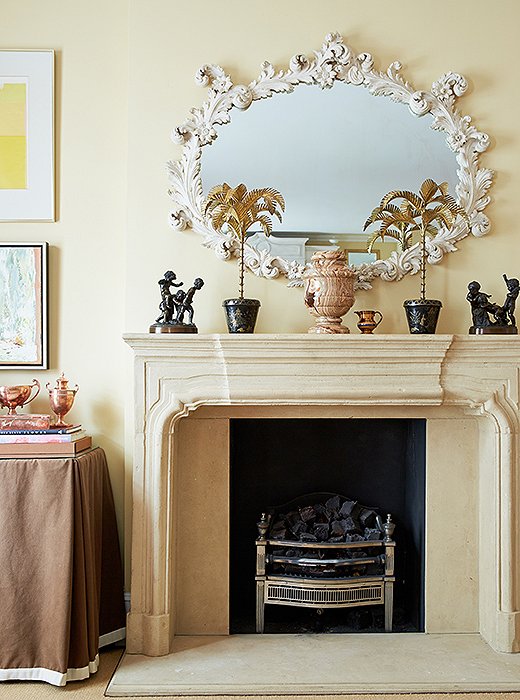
(27, 136)
(23, 305)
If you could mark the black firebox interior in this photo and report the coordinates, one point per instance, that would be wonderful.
(378, 462)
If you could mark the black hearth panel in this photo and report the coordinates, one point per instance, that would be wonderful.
(377, 462)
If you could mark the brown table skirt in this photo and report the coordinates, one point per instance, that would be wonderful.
(61, 585)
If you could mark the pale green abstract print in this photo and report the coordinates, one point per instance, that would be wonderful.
(20, 305)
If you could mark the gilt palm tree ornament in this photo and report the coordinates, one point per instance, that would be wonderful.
(402, 215)
(234, 210)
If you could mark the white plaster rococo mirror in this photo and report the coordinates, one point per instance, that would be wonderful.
(453, 157)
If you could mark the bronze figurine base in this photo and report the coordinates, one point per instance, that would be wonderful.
(493, 330)
(173, 328)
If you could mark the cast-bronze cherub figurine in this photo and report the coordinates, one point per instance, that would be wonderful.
(491, 318)
(175, 306)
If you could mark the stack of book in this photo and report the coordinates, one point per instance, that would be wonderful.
(43, 442)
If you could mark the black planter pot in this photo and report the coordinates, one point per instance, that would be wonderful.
(422, 314)
(241, 314)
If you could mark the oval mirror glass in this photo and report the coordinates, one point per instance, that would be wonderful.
(333, 154)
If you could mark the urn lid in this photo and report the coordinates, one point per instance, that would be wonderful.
(62, 384)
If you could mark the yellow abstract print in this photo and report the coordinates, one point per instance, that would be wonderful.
(13, 136)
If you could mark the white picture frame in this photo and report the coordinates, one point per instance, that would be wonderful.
(27, 136)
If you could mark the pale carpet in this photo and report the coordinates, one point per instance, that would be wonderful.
(94, 689)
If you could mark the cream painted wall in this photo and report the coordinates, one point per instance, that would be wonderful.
(87, 242)
(119, 96)
(170, 41)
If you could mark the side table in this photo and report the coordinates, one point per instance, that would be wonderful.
(61, 583)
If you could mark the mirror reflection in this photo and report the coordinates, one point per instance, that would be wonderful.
(333, 154)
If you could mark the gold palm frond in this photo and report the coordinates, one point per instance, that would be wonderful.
(414, 199)
(429, 189)
(266, 224)
(396, 235)
(267, 199)
(235, 205)
(379, 214)
(425, 212)
(239, 210)
(397, 222)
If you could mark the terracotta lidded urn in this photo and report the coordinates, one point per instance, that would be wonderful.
(329, 290)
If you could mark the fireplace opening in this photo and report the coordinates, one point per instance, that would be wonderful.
(377, 462)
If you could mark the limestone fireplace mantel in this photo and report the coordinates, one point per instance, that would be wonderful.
(453, 380)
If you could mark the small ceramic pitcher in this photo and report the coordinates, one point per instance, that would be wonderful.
(367, 320)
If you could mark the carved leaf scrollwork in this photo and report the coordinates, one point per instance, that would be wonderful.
(335, 61)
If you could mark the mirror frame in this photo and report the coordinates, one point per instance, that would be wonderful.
(335, 61)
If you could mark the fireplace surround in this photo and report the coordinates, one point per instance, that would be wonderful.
(187, 388)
